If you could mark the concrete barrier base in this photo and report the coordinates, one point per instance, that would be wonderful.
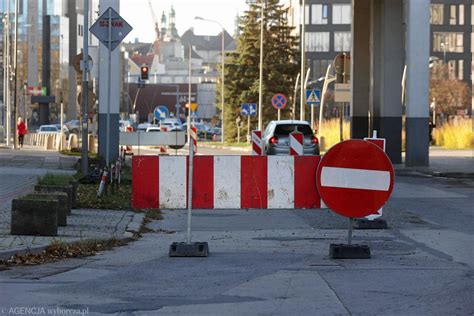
(195, 249)
(345, 251)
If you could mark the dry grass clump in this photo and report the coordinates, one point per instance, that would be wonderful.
(457, 134)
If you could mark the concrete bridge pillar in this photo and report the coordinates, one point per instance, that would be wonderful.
(417, 19)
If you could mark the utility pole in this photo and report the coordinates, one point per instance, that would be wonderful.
(85, 91)
(15, 64)
(302, 71)
(7, 95)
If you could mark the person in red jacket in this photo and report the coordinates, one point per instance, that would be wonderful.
(21, 130)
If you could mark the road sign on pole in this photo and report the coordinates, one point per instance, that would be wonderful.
(244, 109)
(119, 29)
(110, 28)
(313, 96)
(279, 101)
(355, 178)
(248, 109)
(161, 112)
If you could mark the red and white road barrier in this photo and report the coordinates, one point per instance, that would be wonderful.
(296, 143)
(226, 182)
(193, 135)
(103, 182)
(257, 146)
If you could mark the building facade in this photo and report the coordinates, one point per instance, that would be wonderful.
(328, 32)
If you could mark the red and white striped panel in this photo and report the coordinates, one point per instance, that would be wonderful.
(257, 146)
(381, 143)
(296, 143)
(193, 135)
(226, 182)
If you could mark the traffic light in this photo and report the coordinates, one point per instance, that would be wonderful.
(144, 72)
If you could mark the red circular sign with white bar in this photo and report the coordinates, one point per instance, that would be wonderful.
(355, 178)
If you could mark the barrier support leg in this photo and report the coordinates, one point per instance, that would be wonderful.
(349, 250)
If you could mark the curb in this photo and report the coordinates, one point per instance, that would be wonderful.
(433, 173)
(132, 227)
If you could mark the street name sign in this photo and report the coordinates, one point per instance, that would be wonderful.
(355, 178)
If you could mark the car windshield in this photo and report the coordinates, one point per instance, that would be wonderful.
(286, 129)
(48, 129)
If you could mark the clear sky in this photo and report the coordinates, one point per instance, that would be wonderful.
(137, 13)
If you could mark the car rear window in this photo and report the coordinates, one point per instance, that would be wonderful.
(286, 129)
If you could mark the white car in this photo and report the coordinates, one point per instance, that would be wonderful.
(124, 125)
(168, 125)
(48, 129)
(153, 129)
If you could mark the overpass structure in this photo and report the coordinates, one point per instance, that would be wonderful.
(387, 36)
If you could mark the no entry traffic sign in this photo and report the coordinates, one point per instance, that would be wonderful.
(355, 178)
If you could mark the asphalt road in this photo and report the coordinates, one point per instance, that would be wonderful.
(270, 262)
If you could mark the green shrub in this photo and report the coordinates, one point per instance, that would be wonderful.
(55, 179)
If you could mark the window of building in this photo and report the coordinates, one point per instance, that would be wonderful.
(448, 42)
(342, 41)
(436, 14)
(306, 14)
(452, 69)
(319, 14)
(472, 14)
(452, 15)
(472, 42)
(320, 67)
(461, 69)
(461, 14)
(341, 14)
(317, 41)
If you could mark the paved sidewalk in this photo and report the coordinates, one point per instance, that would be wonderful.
(19, 170)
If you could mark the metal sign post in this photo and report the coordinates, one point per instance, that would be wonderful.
(85, 90)
(107, 149)
(110, 28)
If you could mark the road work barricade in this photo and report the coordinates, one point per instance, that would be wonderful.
(226, 182)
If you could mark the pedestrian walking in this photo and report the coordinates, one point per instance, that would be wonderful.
(21, 130)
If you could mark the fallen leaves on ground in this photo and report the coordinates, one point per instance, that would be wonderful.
(61, 250)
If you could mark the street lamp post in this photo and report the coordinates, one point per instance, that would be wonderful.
(15, 70)
(222, 70)
(7, 75)
(302, 71)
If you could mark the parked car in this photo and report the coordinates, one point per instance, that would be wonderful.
(124, 125)
(216, 133)
(48, 129)
(203, 130)
(275, 138)
(73, 126)
(153, 129)
(171, 124)
(65, 129)
(143, 126)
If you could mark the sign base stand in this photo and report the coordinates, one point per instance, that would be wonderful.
(363, 223)
(194, 249)
(346, 251)
(349, 250)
